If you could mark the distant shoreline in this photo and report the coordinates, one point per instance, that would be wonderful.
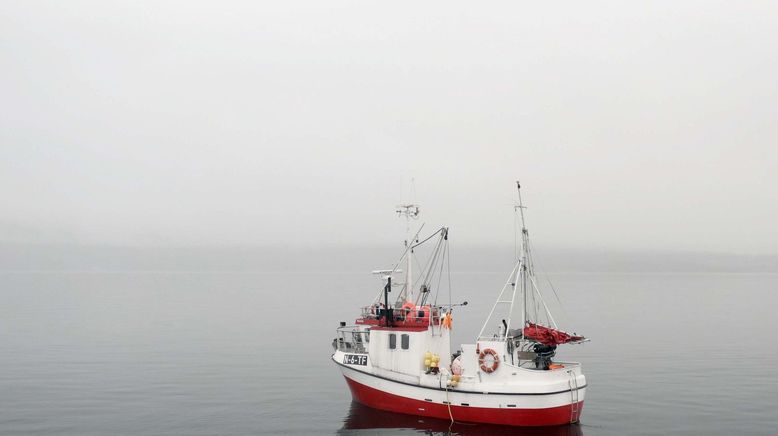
(16, 257)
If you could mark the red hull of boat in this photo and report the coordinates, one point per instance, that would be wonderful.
(516, 417)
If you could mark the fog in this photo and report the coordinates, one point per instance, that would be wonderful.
(632, 127)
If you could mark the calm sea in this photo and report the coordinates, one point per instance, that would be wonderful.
(152, 353)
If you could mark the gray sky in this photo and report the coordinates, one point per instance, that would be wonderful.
(631, 126)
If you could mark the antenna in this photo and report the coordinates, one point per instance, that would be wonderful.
(520, 207)
(408, 210)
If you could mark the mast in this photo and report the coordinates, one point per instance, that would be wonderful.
(518, 282)
(523, 263)
(409, 211)
(409, 268)
(388, 312)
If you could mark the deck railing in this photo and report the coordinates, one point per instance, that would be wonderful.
(352, 339)
(375, 315)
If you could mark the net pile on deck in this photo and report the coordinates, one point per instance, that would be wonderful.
(549, 336)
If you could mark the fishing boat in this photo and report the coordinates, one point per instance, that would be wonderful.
(397, 355)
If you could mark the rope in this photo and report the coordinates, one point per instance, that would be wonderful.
(448, 403)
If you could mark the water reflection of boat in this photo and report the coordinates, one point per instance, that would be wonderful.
(361, 417)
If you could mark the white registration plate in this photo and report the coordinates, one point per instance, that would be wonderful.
(355, 359)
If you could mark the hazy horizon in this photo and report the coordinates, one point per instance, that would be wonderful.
(360, 259)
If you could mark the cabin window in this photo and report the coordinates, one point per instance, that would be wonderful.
(392, 341)
(404, 341)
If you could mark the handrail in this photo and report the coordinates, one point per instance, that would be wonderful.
(374, 315)
(352, 339)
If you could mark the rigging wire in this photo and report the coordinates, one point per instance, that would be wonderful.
(426, 239)
(420, 277)
(515, 235)
(444, 255)
(448, 268)
(396, 265)
(431, 261)
(551, 285)
(439, 255)
(429, 270)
